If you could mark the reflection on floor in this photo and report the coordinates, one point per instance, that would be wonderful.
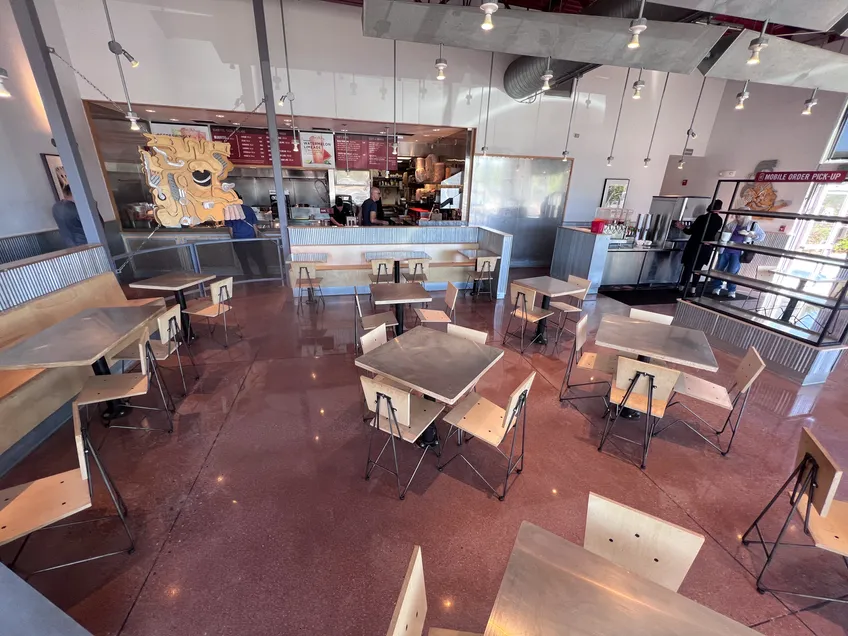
(253, 517)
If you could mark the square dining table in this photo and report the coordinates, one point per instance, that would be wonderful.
(553, 587)
(440, 365)
(399, 294)
(176, 282)
(549, 287)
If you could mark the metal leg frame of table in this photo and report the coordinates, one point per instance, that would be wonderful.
(399, 316)
(120, 507)
(650, 420)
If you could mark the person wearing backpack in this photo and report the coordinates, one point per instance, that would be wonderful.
(742, 229)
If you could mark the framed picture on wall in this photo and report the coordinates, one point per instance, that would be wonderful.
(55, 172)
(615, 193)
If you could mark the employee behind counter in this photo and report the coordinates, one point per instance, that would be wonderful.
(372, 209)
(341, 210)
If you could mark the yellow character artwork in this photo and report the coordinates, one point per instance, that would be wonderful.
(186, 178)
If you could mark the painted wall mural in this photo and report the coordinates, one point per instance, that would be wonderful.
(186, 178)
(761, 196)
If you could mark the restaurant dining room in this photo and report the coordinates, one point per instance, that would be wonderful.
(462, 318)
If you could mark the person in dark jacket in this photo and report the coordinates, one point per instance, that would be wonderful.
(67, 219)
(247, 250)
(706, 227)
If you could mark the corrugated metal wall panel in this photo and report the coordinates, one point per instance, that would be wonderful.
(381, 235)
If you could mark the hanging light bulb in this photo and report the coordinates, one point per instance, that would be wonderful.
(296, 144)
(133, 62)
(394, 148)
(637, 27)
(565, 155)
(742, 96)
(757, 45)
(808, 105)
(4, 92)
(547, 76)
(638, 85)
(609, 160)
(680, 164)
(133, 121)
(647, 161)
(485, 150)
(488, 8)
(441, 65)
(282, 101)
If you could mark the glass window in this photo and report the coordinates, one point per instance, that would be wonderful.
(839, 148)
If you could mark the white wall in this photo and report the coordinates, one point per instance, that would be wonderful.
(202, 53)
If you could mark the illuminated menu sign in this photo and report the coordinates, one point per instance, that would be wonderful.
(360, 152)
(252, 146)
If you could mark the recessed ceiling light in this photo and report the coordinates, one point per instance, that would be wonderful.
(149, 110)
(219, 116)
(425, 135)
(174, 119)
(436, 129)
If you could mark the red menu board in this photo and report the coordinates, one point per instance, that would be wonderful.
(359, 152)
(252, 146)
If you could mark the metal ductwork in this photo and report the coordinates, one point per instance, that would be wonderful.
(522, 78)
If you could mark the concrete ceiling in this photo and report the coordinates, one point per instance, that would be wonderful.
(666, 46)
(819, 15)
(783, 62)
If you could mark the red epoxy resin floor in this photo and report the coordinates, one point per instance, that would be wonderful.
(253, 518)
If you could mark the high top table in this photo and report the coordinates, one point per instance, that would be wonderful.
(176, 282)
(552, 587)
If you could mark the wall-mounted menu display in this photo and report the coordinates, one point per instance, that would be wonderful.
(252, 146)
(360, 152)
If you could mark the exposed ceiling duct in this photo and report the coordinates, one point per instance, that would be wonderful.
(818, 15)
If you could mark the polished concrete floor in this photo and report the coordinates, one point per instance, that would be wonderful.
(253, 517)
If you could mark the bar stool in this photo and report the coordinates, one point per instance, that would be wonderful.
(483, 274)
(382, 271)
(307, 278)
(419, 270)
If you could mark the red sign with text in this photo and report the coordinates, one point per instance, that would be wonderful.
(356, 152)
(252, 146)
(820, 176)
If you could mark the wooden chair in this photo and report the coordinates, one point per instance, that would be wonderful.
(813, 497)
(382, 270)
(411, 607)
(567, 309)
(401, 415)
(419, 270)
(306, 278)
(642, 387)
(650, 316)
(371, 322)
(170, 341)
(473, 335)
(477, 416)
(40, 504)
(483, 275)
(599, 363)
(435, 315)
(104, 388)
(692, 386)
(218, 304)
(657, 550)
(524, 300)
(370, 340)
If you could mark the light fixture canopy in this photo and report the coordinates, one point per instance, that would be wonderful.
(441, 65)
(757, 45)
(133, 119)
(488, 8)
(547, 76)
(742, 96)
(692, 133)
(637, 27)
(4, 92)
(638, 85)
(680, 164)
(610, 160)
(808, 105)
(565, 155)
(647, 161)
(485, 149)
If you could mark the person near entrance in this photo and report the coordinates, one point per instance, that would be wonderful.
(67, 219)
(742, 229)
(372, 209)
(247, 250)
(706, 226)
(340, 212)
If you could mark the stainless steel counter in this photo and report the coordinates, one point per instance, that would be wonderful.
(642, 266)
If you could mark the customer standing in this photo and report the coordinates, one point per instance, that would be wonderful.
(247, 250)
(372, 209)
(67, 219)
(742, 229)
(707, 226)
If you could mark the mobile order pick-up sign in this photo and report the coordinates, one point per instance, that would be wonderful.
(820, 176)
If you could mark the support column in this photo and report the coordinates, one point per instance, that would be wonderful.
(271, 112)
(44, 73)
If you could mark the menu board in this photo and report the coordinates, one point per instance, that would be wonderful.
(360, 152)
(252, 146)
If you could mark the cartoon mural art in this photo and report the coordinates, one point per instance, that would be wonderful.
(761, 196)
(186, 178)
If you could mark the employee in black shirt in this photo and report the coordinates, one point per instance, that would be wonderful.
(372, 209)
(340, 212)
(706, 226)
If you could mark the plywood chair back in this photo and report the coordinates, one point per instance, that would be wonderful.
(411, 607)
(373, 339)
(473, 335)
(486, 263)
(358, 304)
(652, 548)
(221, 291)
(829, 473)
(419, 266)
(142, 350)
(525, 297)
(382, 267)
(168, 324)
(650, 316)
(582, 282)
(664, 378)
(450, 297)
(749, 370)
(581, 333)
(80, 442)
(508, 420)
(400, 400)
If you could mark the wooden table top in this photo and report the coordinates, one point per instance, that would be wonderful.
(175, 281)
(670, 343)
(79, 340)
(553, 587)
(436, 363)
(399, 293)
(550, 287)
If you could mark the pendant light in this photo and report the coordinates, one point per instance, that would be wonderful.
(547, 76)
(118, 51)
(637, 27)
(638, 85)
(757, 45)
(656, 121)
(485, 147)
(441, 65)
(289, 96)
(742, 96)
(808, 105)
(488, 7)
(4, 92)
(689, 134)
(618, 119)
(394, 99)
(574, 96)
